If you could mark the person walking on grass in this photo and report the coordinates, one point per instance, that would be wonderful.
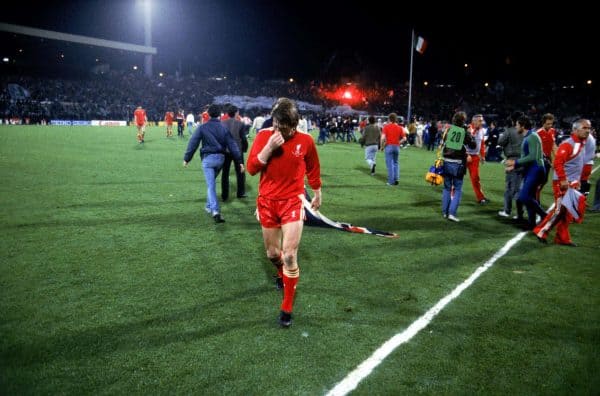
(215, 140)
(284, 156)
(568, 167)
(371, 138)
(511, 142)
(392, 136)
(454, 140)
(531, 164)
(140, 122)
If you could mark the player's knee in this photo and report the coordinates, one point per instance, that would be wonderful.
(289, 260)
(273, 254)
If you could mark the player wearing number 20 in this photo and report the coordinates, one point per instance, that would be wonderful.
(454, 141)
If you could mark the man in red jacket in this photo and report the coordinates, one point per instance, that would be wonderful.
(283, 156)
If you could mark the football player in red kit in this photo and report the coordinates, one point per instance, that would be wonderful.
(169, 117)
(140, 121)
(284, 156)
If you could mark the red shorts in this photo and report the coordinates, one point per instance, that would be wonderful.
(275, 213)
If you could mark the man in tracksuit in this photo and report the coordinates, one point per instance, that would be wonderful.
(568, 167)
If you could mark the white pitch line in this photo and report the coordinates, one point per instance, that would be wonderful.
(352, 380)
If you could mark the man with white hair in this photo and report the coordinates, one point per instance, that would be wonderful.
(569, 203)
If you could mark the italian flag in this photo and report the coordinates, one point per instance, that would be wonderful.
(421, 45)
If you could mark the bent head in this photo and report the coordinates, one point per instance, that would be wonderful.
(285, 117)
(582, 128)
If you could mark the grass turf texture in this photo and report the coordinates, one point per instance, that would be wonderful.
(114, 280)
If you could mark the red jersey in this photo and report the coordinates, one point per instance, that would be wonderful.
(140, 116)
(282, 177)
(169, 116)
(393, 134)
(548, 139)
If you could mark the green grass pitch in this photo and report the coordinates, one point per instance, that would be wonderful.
(113, 280)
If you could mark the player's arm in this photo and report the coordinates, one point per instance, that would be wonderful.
(313, 174)
(192, 147)
(562, 155)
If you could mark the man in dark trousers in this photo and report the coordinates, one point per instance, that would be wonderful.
(238, 132)
(180, 120)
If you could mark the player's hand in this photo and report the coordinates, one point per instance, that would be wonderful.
(275, 141)
(564, 185)
(242, 168)
(509, 164)
(315, 203)
(185, 164)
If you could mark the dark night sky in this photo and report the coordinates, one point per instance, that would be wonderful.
(313, 39)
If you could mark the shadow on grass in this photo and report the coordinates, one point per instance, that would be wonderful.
(122, 204)
(205, 320)
(174, 220)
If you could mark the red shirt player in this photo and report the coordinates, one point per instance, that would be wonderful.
(283, 156)
(169, 117)
(548, 136)
(140, 121)
(392, 136)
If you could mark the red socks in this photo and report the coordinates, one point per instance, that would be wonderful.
(290, 279)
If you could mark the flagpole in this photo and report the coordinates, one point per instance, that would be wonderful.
(412, 51)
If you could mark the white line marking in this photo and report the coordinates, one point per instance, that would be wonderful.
(352, 380)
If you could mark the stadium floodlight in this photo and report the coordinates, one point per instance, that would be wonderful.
(161, 74)
(291, 80)
(135, 67)
(426, 83)
(589, 82)
(486, 84)
(466, 65)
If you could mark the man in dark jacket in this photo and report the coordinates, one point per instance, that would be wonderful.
(238, 132)
(215, 140)
(511, 142)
